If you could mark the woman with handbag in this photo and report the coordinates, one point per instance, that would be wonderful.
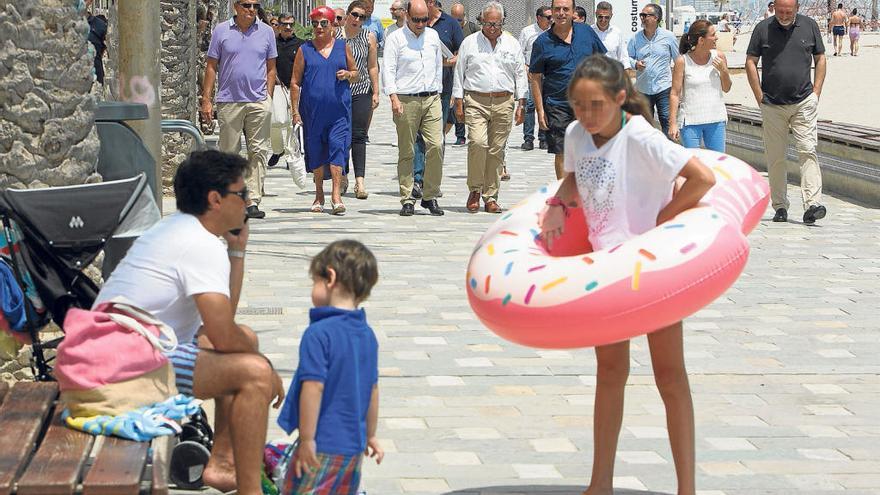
(321, 101)
(364, 90)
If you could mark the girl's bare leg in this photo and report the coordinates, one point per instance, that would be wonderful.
(612, 371)
(670, 375)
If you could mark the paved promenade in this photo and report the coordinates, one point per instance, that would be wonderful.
(784, 367)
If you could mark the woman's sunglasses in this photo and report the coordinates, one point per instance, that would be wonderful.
(642, 15)
(322, 23)
(357, 16)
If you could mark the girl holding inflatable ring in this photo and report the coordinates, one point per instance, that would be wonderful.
(623, 172)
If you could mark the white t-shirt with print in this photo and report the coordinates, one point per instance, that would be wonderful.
(625, 183)
(173, 261)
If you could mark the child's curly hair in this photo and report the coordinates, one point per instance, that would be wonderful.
(355, 266)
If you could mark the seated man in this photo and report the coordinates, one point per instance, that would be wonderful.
(181, 272)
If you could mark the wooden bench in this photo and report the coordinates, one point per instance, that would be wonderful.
(41, 456)
(857, 136)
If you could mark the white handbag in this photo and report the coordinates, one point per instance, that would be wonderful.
(296, 163)
(280, 106)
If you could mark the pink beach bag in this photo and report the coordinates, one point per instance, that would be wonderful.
(114, 343)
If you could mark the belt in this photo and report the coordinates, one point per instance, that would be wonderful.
(419, 95)
(499, 94)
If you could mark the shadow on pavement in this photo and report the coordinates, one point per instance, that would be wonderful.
(541, 489)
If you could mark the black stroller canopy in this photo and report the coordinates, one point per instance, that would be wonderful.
(75, 222)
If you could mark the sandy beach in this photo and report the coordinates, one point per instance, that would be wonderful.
(850, 93)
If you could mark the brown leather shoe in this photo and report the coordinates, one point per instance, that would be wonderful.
(473, 202)
(492, 206)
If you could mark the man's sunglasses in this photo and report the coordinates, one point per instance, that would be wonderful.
(358, 16)
(322, 23)
(419, 20)
(642, 15)
(492, 24)
(243, 194)
(339, 18)
(287, 24)
(249, 6)
(547, 17)
(603, 17)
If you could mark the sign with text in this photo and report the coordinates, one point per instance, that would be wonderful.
(626, 15)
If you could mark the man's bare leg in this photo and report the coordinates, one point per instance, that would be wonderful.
(220, 473)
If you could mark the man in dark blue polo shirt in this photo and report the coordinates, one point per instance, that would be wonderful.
(451, 36)
(789, 44)
(555, 55)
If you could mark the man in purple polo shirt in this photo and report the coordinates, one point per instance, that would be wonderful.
(245, 52)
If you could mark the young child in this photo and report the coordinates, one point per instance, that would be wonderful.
(334, 401)
(624, 171)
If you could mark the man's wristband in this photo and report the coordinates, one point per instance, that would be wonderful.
(235, 253)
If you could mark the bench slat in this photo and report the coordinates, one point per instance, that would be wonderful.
(117, 469)
(161, 457)
(22, 415)
(56, 467)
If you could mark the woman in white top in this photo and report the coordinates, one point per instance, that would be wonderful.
(699, 80)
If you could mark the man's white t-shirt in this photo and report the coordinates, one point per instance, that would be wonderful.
(624, 184)
(173, 261)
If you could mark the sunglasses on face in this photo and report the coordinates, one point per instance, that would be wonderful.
(322, 23)
(249, 6)
(243, 194)
(287, 24)
(357, 16)
(419, 20)
(547, 17)
(492, 24)
(339, 18)
(643, 15)
(603, 17)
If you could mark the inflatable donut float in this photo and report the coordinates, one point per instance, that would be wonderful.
(571, 296)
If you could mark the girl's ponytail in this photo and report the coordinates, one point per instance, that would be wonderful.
(611, 75)
(635, 102)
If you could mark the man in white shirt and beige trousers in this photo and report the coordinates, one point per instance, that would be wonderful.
(489, 75)
(412, 76)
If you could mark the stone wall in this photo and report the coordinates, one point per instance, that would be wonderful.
(179, 92)
(47, 108)
(47, 132)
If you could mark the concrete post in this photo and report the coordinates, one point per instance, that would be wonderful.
(138, 77)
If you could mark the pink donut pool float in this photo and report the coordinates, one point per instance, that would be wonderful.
(572, 296)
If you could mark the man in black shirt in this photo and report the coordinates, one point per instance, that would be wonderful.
(287, 44)
(789, 44)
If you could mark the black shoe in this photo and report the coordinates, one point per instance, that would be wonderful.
(433, 207)
(542, 145)
(273, 160)
(417, 190)
(460, 141)
(813, 213)
(254, 212)
(527, 146)
(407, 210)
(781, 215)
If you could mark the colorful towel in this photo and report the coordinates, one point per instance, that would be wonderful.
(338, 475)
(142, 424)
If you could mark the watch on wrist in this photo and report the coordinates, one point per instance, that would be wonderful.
(235, 253)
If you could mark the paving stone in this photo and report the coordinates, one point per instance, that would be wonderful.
(794, 380)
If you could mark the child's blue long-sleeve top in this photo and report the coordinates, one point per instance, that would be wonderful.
(340, 350)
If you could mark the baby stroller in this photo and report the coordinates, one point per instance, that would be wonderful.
(50, 236)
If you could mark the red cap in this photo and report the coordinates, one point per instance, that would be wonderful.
(323, 12)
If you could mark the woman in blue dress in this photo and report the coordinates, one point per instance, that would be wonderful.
(320, 93)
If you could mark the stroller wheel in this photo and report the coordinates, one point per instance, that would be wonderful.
(188, 461)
